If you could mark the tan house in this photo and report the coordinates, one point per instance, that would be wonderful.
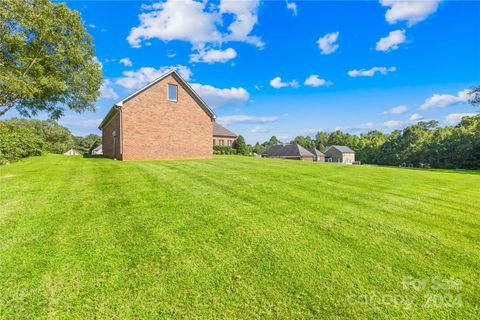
(340, 154)
(165, 119)
(222, 136)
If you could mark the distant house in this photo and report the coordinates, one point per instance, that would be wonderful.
(318, 156)
(290, 152)
(222, 136)
(73, 152)
(340, 154)
(98, 150)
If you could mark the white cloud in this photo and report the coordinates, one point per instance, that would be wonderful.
(216, 97)
(277, 83)
(397, 110)
(212, 56)
(245, 18)
(245, 119)
(176, 20)
(95, 59)
(370, 72)
(455, 118)
(312, 131)
(292, 6)
(314, 81)
(415, 117)
(126, 62)
(145, 75)
(412, 11)
(261, 129)
(91, 25)
(197, 23)
(78, 122)
(393, 123)
(107, 91)
(171, 54)
(327, 43)
(391, 41)
(445, 100)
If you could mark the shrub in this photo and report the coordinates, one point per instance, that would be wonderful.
(223, 150)
(18, 142)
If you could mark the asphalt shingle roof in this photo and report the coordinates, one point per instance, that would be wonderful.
(316, 152)
(288, 150)
(343, 149)
(219, 130)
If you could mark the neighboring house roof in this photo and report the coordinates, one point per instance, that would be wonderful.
(342, 149)
(316, 152)
(72, 151)
(114, 109)
(219, 130)
(98, 148)
(288, 151)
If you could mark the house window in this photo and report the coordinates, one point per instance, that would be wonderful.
(213, 141)
(229, 143)
(222, 142)
(172, 92)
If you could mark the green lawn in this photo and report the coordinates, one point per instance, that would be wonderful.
(236, 237)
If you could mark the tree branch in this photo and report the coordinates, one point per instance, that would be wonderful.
(8, 106)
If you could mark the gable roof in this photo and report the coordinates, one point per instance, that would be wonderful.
(219, 130)
(342, 149)
(288, 151)
(114, 109)
(316, 152)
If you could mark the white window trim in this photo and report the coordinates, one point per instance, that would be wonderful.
(168, 95)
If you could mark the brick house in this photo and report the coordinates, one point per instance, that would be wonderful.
(165, 119)
(340, 154)
(222, 136)
(317, 155)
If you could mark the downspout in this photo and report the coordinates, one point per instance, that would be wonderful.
(121, 133)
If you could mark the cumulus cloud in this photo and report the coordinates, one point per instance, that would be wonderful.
(79, 122)
(277, 83)
(216, 97)
(261, 129)
(415, 117)
(371, 72)
(293, 7)
(455, 118)
(212, 56)
(196, 22)
(314, 81)
(412, 11)
(392, 41)
(176, 20)
(397, 110)
(145, 75)
(126, 62)
(327, 43)
(245, 119)
(245, 18)
(445, 100)
(107, 91)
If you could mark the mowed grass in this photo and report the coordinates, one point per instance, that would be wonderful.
(236, 237)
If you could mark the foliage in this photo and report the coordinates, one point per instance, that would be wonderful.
(58, 139)
(47, 60)
(242, 147)
(235, 238)
(223, 150)
(88, 143)
(17, 141)
(422, 144)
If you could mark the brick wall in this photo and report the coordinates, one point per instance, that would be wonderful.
(156, 128)
(225, 140)
(107, 137)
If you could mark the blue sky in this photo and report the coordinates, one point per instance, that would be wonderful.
(292, 68)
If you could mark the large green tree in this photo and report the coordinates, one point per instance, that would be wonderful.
(47, 60)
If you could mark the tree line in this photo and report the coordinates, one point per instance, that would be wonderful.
(424, 144)
(20, 138)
